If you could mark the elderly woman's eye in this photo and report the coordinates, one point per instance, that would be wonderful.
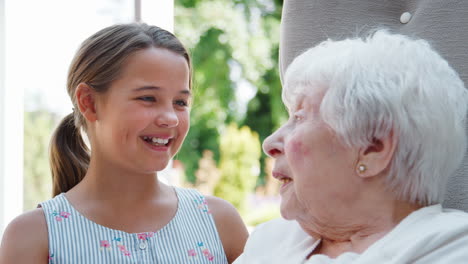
(298, 117)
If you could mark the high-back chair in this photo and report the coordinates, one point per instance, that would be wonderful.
(444, 24)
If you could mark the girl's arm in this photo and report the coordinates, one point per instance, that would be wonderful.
(231, 228)
(25, 240)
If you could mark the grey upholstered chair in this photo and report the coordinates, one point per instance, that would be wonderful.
(443, 23)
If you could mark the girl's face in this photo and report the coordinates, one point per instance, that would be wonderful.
(143, 118)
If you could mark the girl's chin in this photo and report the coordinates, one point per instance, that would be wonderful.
(155, 169)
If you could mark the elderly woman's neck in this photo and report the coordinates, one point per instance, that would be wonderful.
(366, 227)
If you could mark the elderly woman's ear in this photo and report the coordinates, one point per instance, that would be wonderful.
(376, 157)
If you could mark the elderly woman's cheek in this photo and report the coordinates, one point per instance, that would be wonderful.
(296, 150)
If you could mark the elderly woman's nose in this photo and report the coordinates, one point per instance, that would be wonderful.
(272, 146)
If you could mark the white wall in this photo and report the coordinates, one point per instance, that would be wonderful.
(11, 129)
(2, 104)
(159, 13)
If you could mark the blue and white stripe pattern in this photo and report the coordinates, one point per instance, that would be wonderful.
(190, 237)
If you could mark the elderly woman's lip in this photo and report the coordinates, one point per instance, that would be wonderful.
(280, 176)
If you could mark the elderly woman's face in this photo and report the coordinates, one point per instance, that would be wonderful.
(315, 168)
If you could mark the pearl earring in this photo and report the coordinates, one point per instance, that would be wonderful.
(362, 168)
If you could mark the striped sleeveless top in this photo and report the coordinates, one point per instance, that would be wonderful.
(190, 237)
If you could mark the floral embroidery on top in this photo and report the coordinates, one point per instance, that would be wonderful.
(205, 251)
(105, 244)
(192, 253)
(60, 216)
(202, 204)
(145, 236)
(51, 258)
(123, 249)
(208, 254)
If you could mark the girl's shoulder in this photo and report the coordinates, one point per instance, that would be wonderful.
(220, 209)
(231, 228)
(229, 225)
(25, 239)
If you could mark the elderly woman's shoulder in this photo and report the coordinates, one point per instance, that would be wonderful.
(279, 225)
(285, 239)
(446, 217)
(436, 219)
(431, 235)
(282, 233)
(451, 220)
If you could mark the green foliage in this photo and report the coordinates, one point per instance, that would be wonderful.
(214, 86)
(187, 3)
(265, 112)
(239, 165)
(38, 127)
(262, 215)
(224, 35)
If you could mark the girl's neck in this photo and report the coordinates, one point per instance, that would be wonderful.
(119, 185)
(123, 198)
(138, 205)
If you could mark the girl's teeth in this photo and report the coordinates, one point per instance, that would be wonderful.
(156, 141)
(160, 140)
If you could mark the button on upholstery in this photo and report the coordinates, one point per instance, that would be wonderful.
(405, 17)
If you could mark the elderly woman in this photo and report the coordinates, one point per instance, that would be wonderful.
(376, 128)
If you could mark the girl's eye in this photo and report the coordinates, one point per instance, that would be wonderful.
(147, 98)
(181, 103)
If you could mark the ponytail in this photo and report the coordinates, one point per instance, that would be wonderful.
(69, 156)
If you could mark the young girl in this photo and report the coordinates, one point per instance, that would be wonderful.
(130, 86)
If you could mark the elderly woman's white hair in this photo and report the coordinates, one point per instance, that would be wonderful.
(390, 85)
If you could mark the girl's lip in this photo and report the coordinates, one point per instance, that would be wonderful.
(158, 148)
(159, 136)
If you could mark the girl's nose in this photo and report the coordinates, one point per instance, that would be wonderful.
(167, 118)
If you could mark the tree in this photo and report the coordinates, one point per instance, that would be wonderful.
(265, 112)
(225, 37)
(38, 128)
(239, 165)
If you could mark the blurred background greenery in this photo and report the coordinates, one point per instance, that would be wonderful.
(237, 104)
